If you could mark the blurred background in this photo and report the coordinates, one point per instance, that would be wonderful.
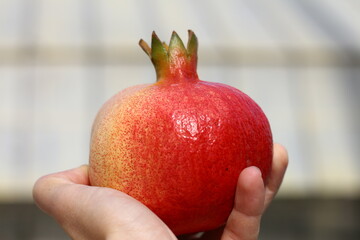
(299, 60)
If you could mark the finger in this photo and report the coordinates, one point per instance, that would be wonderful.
(66, 197)
(244, 220)
(279, 165)
(78, 175)
(83, 211)
(87, 212)
(48, 190)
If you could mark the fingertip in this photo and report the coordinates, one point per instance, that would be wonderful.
(42, 192)
(250, 175)
(250, 190)
(83, 167)
(248, 206)
(47, 185)
(279, 166)
(281, 154)
(253, 171)
(37, 188)
(280, 163)
(77, 175)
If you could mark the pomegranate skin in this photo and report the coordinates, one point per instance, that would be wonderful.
(178, 147)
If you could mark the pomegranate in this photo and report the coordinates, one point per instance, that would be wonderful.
(179, 145)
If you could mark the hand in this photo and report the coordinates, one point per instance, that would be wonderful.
(87, 212)
(94, 213)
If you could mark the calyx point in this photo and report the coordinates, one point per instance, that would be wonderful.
(173, 61)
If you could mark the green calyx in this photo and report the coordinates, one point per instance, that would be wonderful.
(173, 61)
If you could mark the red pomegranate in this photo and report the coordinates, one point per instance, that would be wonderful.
(179, 145)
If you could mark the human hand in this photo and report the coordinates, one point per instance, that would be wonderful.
(87, 212)
(94, 213)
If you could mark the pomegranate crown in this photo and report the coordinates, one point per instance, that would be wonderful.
(173, 61)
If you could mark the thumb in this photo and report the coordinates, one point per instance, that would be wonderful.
(244, 220)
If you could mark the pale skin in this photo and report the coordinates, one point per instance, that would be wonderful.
(95, 213)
